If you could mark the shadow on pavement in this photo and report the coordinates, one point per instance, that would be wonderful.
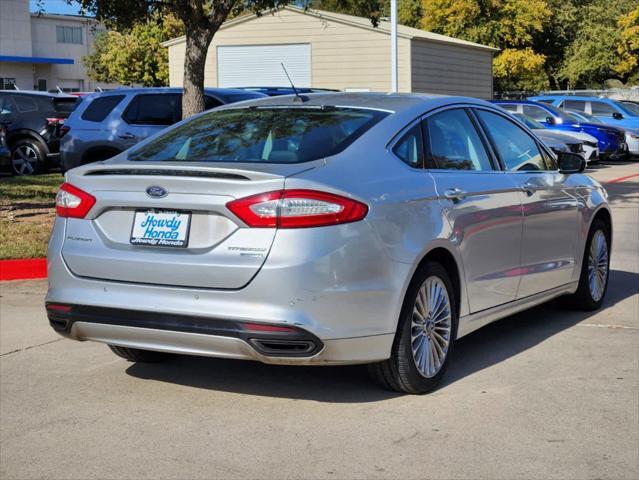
(351, 384)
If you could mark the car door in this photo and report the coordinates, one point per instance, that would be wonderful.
(550, 205)
(481, 203)
(147, 114)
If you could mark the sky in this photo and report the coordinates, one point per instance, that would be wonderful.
(55, 6)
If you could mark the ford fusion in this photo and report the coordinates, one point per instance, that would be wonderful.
(336, 228)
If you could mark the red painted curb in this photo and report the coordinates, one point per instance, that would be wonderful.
(621, 179)
(23, 269)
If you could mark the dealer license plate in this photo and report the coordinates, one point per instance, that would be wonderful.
(161, 228)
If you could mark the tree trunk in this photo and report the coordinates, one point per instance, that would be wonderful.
(197, 44)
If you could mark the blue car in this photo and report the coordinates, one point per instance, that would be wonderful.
(609, 111)
(612, 140)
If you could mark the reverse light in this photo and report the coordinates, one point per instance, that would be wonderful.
(297, 209)
(72, 202)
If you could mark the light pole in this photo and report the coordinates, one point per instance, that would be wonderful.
(393, 45)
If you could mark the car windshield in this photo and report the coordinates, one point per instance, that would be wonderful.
(262, 135)
(631, 107)
(580, 117)
(529, 122)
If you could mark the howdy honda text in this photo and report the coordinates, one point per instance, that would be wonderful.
(167, 229)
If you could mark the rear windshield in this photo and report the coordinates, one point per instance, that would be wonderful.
(101, 107)
(261, 135)
(65, 105)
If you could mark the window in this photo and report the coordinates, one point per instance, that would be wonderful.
(6, 105)
(453, 142)
(25, 104)
(7, 83)
(536, 113)
(409, 148)
(579, 105)
(101, 107)
(261, 135)
(602, 109)
(518, 150)
(42, 84)
(511, 107)
(211, 102)
(69, 34)
(154, 109)
(546, 100)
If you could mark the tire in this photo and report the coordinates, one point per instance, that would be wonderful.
(27, 157)
(137, 355)
(586, 297)
(400, 372)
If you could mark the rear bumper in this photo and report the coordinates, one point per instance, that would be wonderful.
(221, 339)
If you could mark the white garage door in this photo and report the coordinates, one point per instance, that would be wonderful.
(260, 65)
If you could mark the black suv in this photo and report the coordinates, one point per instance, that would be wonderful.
(33, 122)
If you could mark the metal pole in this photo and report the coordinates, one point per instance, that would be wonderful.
(394, 45)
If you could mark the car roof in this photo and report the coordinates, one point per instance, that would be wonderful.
(395, 102)
(523, 102)
(38, 93)
(120, 91)
(576, 97)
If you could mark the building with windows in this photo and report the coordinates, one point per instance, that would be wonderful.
(44, 52)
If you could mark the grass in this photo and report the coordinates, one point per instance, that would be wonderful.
(27, 212)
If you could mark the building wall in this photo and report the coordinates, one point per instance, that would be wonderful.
(451, 70)
(342, 56)
(15, 28)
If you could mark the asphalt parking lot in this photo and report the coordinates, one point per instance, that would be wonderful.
(548, 393)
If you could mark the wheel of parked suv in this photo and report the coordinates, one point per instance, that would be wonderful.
(137, 355)
(595, 268)
(425, 334)
(27, 157)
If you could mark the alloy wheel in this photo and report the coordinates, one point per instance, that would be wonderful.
(598, 265)
(431, 327)
(24, 160)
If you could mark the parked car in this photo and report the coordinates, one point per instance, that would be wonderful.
(611, 140)
(107, 123)
(5, 153)
(277, 91)
(33, 121)
(632, 134)
(609, 111)
(559, 141)
(350, 228)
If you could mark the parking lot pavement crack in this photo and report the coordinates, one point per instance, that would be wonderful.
(30, 347)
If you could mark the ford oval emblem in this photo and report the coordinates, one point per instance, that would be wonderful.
(156, 191)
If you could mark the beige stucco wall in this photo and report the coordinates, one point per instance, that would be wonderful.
(451, 70)
(342, 56)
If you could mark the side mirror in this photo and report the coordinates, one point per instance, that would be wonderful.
(617, 116)
(570, 162)
(551, 120)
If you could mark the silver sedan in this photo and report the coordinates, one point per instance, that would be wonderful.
(325, 229)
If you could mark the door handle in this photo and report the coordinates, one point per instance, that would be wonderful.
(529, 188)
(126, 136)
(455, 194)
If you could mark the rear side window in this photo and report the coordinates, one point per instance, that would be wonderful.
(101, 107)
(6, 105)
(518, 150)
(211, 102)
(578, 105)
(602, 109)
(261, 135)
(25, 104)
(154, 109)
(546, 100)
(409, 148)
(454, 144)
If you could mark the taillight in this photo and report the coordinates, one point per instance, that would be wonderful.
(55, 121)
(64, 129)
(73, 202)
(297, 209)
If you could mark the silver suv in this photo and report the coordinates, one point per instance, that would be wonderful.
(105, 124)
(338, 228)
